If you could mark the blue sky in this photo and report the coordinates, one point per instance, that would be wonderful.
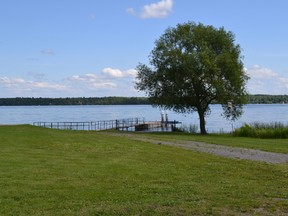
(90, 48)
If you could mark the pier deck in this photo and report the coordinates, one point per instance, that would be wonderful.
(137, 124)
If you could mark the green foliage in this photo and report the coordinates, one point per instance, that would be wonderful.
(51, 172)
(194, 65)
(245, 131)
(263, 130)
(20, 101)
(267, 99)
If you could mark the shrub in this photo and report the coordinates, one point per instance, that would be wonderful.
(263, 130)
(245, 131)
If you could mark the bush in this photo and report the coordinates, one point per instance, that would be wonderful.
(263, 130)
(245, 131)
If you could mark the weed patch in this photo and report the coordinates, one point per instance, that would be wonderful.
(274, 130)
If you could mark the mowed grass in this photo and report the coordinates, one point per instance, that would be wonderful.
(270, 145)
(53, 172)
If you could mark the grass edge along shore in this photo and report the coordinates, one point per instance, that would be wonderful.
(54, 172)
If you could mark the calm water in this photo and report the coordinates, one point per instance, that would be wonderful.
(214, 122)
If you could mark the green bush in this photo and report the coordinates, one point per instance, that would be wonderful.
(245, 131)
(275, 130)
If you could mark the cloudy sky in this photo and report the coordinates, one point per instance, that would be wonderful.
(90, 48)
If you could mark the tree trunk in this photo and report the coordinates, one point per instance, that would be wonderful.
(202, 122)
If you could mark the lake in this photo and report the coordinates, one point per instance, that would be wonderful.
(214, 122)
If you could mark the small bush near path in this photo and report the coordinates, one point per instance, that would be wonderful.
(275, 130)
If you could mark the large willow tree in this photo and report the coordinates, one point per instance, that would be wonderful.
(191, 66)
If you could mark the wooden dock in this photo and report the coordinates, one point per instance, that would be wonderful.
(147, 126)
(162, 126)
(119, 124)
(131, 124)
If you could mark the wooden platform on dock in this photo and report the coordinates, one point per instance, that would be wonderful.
(147, 126)
(155, 124)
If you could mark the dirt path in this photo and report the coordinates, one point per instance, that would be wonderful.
(224, 151)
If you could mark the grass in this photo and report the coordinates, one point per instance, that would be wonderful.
(270, 145)
(50, 172)
(274, 130)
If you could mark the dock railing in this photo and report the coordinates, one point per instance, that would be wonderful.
(119, 124)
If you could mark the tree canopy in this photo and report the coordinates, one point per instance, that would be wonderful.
(193, 65)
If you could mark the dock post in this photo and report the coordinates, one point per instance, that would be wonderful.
(166, 120)
(162, 119)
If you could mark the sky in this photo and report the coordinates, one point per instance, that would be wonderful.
(90, 48)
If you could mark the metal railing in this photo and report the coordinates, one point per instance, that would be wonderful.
(119, 124)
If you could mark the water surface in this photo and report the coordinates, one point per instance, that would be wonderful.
(214, 122)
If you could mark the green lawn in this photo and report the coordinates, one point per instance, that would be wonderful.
(270, 145)
(51, 172)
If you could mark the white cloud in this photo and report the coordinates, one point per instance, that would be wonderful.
(47, 85)
(105, 85)
(157, 10)
(113, 82)
(260, 72)
(113, 72)
(116, 73)
(131, 72)
(89, 81)
(84, 78)
(266, 81)
(109, 82)
(26, 85)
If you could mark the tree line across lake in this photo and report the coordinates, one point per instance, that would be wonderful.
(31, 101)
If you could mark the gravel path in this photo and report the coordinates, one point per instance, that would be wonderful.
(224, 151)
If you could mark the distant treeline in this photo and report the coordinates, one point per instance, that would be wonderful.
(268, 99)
(26, 101)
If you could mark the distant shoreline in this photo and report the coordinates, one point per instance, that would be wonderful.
(27, 101)
(31, 101)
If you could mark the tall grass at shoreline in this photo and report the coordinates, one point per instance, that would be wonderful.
(274, 130)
